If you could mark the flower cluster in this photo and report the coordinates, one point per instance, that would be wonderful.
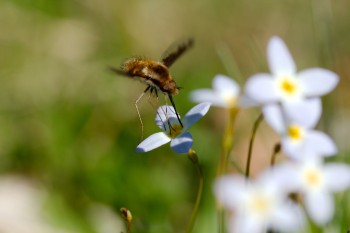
(291, 105)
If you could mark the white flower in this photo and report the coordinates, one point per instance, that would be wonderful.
(181, 140)
(298, 139)
(316, 181)
(285, 85)
(225, 94)
(257, 206)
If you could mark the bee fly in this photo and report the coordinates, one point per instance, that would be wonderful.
(155, 74)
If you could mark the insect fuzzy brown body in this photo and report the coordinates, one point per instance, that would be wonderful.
(155, 74)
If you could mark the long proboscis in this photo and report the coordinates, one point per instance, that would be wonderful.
(177, 114)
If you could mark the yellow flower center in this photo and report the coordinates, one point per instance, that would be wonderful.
(313, 178)
(230, 100)
(174, 131)
(295, 132)
(260, 205)
(288, 85)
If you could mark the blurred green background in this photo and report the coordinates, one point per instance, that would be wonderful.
(69, 126)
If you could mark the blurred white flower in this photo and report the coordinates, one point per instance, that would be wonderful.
(316, 182)
(181, 140)
(104, 219)
(298, 139)
(285, 85)
(23, 210)
(257, 206)
(225, 94)
(22, 207)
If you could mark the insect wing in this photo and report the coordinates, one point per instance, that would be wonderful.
(175, 51)
(119, 71)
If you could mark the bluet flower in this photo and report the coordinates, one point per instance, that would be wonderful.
(180, 140)
(257, 205)
(298, 138)
(285, 85)
(316, 181)
(225, 94)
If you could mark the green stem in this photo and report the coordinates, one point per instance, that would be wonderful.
(221, 219)
(227, 145)
(251, 142)
(192, 155)
(128, 227)
(227, 142)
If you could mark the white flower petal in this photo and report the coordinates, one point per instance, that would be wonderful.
(288, 217)
(294, 150)
(286, 176)
(207, 95)
(195, 113)
(230, 190)
(279, 58)
(164, 113)
(222, 83)
(318, 143)
(318, 81)
(246, 224)
(337, 176)
(182, 143)
(273, 116)
(262, 89)
(245, 101)
(319, 206)
(152, 142)
(314, 143)
(305, 113)
(224, 94)
(244, 198)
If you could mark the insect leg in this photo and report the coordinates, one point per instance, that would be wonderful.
(137, 109)
(166, 113)
(167, 119)
(156, 105)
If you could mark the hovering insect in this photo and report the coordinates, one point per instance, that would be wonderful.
(155, 74)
